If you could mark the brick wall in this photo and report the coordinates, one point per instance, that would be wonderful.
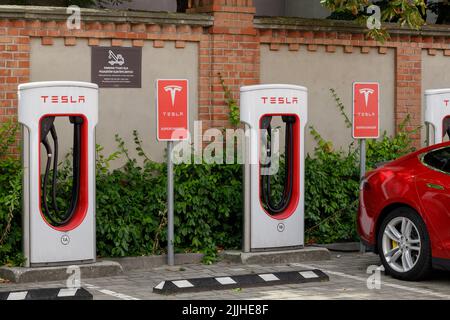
(229, 39)
(231, 52)
(17, 32)
(14, 68)
(409, 47)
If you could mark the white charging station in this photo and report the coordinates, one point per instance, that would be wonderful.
(52, 240)
(269, 226)
(437, 114)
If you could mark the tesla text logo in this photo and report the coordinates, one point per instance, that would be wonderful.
(446, 102)
(115, 59)
(280, 100)
(173, 92)
(63, 99)
(366, 92)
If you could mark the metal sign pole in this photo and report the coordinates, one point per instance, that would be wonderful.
(172, 107)
(362, 154)
(170, 216)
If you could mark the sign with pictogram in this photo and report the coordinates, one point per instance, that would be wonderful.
(172, 103)
(366, 110)
(116, 67)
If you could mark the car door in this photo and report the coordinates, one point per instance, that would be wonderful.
(433, 187)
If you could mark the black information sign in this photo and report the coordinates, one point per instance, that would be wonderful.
(116, 67)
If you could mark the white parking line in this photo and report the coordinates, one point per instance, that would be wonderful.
(110, 293)
(384, 283)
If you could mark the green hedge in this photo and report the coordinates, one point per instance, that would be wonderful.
(131, 207)
(131, 201)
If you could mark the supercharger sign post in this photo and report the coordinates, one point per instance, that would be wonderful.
(268, 111)
(437, 115)
(53, 235)
(172, 105)
(366, 116)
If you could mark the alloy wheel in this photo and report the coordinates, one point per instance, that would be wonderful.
(401, 244)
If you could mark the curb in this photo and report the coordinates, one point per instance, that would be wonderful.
(277, 257)
(27, 275)
(241, 281)
(148, 262)
(341, 246)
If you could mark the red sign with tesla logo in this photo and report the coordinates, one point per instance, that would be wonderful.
(172, 109)
(366, 101)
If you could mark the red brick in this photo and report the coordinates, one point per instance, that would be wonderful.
(348, 49)
(140, 27)
(432, 52)
(6, 40)
(294, 47)
(123, 27)
(93, 42)
(20, 72)
(138, 43)
(46, 41)
(180, 44)
(274, 47)
(365, 50)
(116, 42)
(312, 47)
(70, 41)
(22, 40)
(382, 50)
(331, 49)
(158, 44)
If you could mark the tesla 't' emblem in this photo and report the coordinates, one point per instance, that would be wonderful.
(173, 92)
(65, 239)
(366, 92)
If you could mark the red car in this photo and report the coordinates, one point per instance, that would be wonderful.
(404, 213)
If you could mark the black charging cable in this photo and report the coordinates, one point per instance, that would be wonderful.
(265, 180)
(47, 126)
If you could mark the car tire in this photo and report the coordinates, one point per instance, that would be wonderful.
(410, 258)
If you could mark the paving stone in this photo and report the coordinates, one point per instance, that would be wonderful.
(139, 283)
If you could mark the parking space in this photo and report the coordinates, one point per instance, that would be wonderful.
(347, 272)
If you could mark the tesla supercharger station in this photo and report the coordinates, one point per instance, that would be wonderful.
(272, 223)
(53, 235)
(437, 115)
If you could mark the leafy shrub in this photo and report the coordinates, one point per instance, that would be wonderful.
(332, 180)
(389, 148)
(331, 184)
(10, 198)
(131, 201)
(132, 206)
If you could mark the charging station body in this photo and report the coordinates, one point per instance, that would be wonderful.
(437, 114)
(73, 241)
(283, 229)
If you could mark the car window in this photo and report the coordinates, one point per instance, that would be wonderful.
(439, 159)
